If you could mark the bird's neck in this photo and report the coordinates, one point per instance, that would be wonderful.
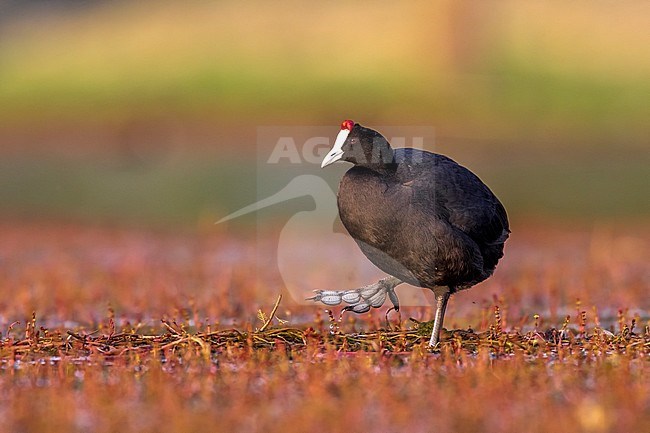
(379, 158)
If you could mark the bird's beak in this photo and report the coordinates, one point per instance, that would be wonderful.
(337, 150)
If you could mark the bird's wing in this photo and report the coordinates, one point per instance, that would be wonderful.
(462, 199)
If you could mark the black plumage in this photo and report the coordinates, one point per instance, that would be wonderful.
(417, 215)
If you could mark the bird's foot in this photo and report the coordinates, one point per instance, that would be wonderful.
(399, 318)
(362, 299)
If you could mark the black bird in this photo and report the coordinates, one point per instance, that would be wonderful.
(418, 216)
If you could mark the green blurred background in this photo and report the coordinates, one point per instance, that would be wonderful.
(147, 112)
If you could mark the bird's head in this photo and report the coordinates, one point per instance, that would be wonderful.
(360, 146)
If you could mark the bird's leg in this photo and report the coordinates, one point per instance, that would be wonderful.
(441, 305)
(362, 299)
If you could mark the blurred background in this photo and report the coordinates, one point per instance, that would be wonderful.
(146, 113)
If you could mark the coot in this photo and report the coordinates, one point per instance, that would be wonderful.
(418, 216)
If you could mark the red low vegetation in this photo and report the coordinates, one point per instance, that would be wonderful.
(144, 331)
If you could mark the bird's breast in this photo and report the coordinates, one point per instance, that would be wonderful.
(374, 211)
